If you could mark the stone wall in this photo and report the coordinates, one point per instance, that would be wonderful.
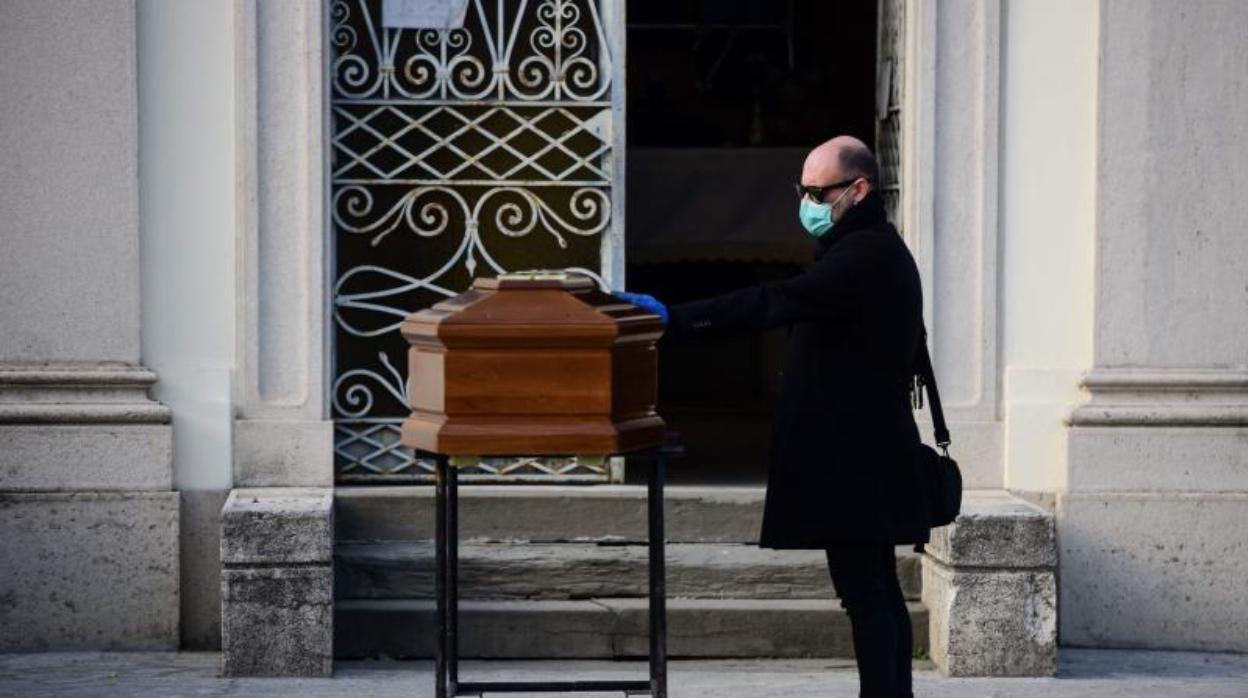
(1150, 527)
(88, 518)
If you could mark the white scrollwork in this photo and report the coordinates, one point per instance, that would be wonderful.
(515, 212)
(353, 212)
(440, 61)
(590, 211)
(353, 397)
(353, 74)
(564, 57)
(342, 34)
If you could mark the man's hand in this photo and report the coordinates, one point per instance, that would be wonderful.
(645, 302)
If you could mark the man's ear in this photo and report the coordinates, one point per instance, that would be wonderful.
(861, 188)
(864, 187)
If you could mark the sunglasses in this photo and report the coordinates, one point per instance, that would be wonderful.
(816, 193)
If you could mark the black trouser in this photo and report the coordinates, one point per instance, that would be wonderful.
(865, 577)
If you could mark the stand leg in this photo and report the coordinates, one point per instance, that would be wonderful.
(439, 545)
(658, 579)
(452, 580)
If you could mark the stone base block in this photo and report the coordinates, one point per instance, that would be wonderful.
(990, 590)
(89, 571)
(991, 623)
(996, 529)
(1162, 571)
(277, 586)
(277, 525)
(277, 621)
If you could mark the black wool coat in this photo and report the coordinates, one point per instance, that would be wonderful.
(844, 463)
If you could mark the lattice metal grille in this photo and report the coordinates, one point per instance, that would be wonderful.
(443, 143)
(372, 453)
(888, 103)
(456, 153)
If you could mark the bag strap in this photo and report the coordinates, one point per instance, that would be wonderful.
(928, 380)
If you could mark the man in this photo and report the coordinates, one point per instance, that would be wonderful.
(843, 475)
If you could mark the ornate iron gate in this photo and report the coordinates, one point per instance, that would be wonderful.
(456, 153)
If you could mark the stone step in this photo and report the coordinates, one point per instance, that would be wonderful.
(404, 569)
(604, 628)
(552, 513)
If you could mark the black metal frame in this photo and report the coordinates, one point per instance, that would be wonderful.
(446, 662)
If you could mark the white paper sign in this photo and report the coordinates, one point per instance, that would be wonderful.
(423, 14)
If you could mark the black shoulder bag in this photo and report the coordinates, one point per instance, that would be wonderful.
(941, 478)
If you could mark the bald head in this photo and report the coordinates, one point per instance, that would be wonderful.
(841, 158)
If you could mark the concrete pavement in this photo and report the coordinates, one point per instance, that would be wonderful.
(1082, 674)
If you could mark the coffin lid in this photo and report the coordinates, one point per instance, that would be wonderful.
(542, 307)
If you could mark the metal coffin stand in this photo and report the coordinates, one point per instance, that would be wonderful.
(447, 554)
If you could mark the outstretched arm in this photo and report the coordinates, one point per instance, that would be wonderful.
(831, 290)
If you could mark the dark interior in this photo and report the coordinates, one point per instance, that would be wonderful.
(724, 99)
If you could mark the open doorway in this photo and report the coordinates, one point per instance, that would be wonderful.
(725, 97)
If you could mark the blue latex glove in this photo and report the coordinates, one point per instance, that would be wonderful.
(645, 302)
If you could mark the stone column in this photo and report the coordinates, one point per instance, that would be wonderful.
(1151, 527)
(282, 436)
(950, 163)
(88, 518)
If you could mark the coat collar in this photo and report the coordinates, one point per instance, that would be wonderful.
(867, 213)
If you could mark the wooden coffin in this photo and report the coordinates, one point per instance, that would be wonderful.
(532, 365)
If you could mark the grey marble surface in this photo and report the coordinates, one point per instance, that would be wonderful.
(1082, 674)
